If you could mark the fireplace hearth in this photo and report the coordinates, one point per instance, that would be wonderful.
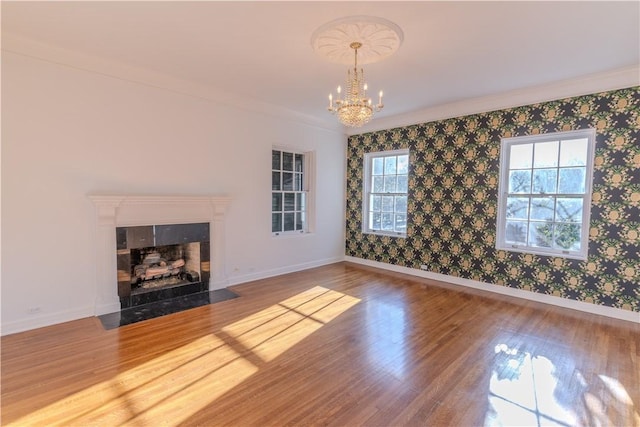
(158, 262)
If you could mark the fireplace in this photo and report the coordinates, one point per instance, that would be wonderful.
(157, 262)
(123, 231)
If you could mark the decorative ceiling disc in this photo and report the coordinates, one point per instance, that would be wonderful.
(379, 37)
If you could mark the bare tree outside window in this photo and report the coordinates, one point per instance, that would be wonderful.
(545, 193)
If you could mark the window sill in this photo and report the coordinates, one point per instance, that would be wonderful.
(290, 235)
(386, 233)
(526, 250)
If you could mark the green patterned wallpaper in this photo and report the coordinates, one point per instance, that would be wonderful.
(453, 187)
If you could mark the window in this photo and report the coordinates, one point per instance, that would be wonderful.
(385, 192)
(289, 192)
(545, 193)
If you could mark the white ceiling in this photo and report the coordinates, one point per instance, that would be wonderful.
(261, 51)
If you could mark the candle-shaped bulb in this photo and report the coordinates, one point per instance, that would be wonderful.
(339, 90)
(366, 86)
(380, 98)
(330, 100)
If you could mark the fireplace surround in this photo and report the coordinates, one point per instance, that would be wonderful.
(117, 211)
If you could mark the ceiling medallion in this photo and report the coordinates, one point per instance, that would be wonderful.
(364, 38)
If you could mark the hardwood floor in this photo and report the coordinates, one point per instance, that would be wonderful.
(339, 345)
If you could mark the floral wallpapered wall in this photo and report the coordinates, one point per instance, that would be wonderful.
(453, 194)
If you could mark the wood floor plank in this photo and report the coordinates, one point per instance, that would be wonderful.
(336, 345)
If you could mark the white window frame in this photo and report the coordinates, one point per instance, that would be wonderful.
(366, 191)
(308, 188)
(506, 144)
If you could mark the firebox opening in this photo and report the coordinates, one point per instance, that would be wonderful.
(164, 266)
(158, 262)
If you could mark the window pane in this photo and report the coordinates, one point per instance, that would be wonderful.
(275, 160)
(390, 165)
(287, 161)
(544, 181)
(276, 222)
(540, 234)
(289, 221)
(287, 181)
(299, 162)
(299, 220)
(275, 181)
(401, 223)
(520, 156)
(375, 220)
(390, 184)
(569, 210)
(289, 201)
(387, 221)
(378, 166)
(387, 203)
(542, 209)
(516, 232)
(546, 154)
(519, 181)
(298, 182)
(276, 202)
(402, 184)
(300, 201)
(378, 184)
(376, 203)
(401, 204)
(403, 164)
(571, 180)
(517, 207)
(573, 152)
(567, 236)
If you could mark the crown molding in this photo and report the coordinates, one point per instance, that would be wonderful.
(610, 80)
(27, 47)
(585, 85)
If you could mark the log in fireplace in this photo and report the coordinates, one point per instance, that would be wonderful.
(157, 262)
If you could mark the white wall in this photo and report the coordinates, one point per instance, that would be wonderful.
(68, 132)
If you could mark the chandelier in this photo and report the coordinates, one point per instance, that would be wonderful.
(366, 39)
(355, 109)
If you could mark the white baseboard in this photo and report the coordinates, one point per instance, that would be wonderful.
(107, 308)
(34, 322)
(236, 280)
(69, 315)
(601, 310)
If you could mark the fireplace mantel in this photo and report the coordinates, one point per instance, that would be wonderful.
(126, 210)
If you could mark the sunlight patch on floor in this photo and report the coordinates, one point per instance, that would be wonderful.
(272, 331)
(529, 389)
(177, 384)
(522, 391)
(196, 373)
